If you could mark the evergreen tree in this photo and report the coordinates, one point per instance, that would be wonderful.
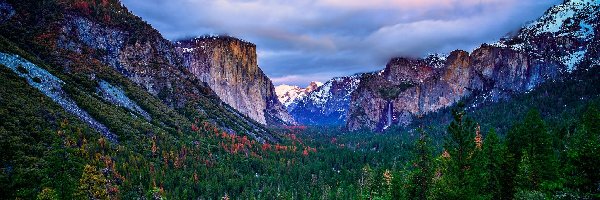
(494, 153)
(531, 136)
(422, 172)
(583, 154)
(460, 146)
(365, 183)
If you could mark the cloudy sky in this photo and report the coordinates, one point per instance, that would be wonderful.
(299, 41)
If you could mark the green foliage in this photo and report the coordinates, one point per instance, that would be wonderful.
(393, 91)
(421, 177)
(47, 194)
(460, 146)
(491, 161)
(583, 154)
(540, 164)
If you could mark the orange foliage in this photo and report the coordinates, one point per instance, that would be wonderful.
(154, 148)
(478, 138)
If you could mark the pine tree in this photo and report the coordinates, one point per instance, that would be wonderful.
(494, 153)
(422, 173)
(583, 154)
(531, 136)
(478, 175)
(388, 177)
(460, 146)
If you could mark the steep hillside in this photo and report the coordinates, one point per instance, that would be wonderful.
(230, 68)
(564, 39)
(91, 43)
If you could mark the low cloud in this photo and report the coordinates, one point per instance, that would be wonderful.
(305, 40)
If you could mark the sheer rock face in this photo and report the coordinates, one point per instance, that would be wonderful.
(426, 86)
(229, 66)
(154, 63)
(564, 39)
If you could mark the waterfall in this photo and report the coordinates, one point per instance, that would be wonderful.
(389, 114)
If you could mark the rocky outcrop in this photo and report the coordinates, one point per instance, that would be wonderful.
(558, 43)
(328, 104)
(229, 66)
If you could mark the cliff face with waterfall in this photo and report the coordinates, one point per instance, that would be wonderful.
(564, 39)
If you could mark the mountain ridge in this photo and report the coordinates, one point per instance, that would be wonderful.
(79, 43)
(542, 50)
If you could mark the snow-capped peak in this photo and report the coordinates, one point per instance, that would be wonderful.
(288, 94)
(561, 34)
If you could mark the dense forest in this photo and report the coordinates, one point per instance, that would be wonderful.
(546, 153)
(543, 144)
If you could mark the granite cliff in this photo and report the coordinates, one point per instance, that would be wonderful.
(93, 42)
(230, 68)
(564, 39)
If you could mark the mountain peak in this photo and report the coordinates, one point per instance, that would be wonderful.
(289, 94)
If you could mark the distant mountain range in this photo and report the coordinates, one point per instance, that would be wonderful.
(325, 105)
(289, 94)
(564, 39)
(217, 78)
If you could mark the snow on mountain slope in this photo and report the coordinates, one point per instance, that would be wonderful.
(328, 104)
(564, 34)
(288, 94)
(565, 39)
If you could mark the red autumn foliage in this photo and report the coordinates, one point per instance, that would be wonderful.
(154, 147)
(83, 7)
(113, 190)
(107, 19)
(266, 147)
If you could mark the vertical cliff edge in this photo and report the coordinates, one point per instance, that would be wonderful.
(230, 68)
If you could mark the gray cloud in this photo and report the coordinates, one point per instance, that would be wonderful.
(305, 40)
